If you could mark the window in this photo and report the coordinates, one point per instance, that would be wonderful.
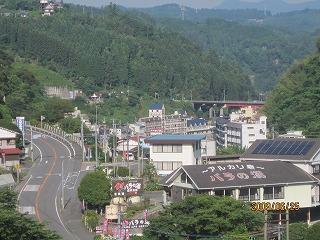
(167, 148)
(229, 192)
(219, 193)
(316, 169)
(11, 142)
(244, 194)
(250, 127)
(267, 193)
(177, 148)
(183, 178)
(278, 192)
(254, 194)
(251, 135)
(157, 148)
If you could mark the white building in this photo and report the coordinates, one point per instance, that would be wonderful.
(169, 152)
(157, 110)
(292, 134)
(273, 182)
(242, 129)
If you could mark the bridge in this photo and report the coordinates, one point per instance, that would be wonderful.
(227, 104)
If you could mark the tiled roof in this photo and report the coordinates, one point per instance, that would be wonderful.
(196, 122)
(250, 173)
(174, 138)
(10, 151)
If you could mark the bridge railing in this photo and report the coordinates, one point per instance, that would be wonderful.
(58, 133)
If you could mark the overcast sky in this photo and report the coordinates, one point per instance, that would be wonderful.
(150, 3)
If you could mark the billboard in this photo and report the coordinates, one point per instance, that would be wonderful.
(127, 187)
(135, 223)
(20, 122)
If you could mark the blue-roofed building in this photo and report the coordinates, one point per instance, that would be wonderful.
(157, 110)
(169, 152)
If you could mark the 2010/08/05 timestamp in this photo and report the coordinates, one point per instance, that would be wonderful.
(275, 206)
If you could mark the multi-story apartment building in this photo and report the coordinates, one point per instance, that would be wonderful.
(9, 154)
(241, 128)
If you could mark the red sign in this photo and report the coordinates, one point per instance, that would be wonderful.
(127, 187)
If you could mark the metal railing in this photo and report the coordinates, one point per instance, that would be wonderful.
(58, 133)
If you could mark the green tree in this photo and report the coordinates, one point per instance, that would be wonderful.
(121, 172)
(313, 232)
(56, 108)
(71, 125)
(204, 215)
(14, 225)
(230, 150)
(298, 231)
(92, 219)
(95, 190)
(150, 172)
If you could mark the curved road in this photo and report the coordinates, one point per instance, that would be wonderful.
(40, 196)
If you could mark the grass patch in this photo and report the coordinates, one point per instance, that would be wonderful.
(46, 76)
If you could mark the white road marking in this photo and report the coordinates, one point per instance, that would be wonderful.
(24, 187)
(39, 177)
(31, 188)
(39, 151)
(29, 210)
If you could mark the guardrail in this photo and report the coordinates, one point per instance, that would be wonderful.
(59, 134)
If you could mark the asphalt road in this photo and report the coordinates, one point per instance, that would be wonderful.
(40, 195)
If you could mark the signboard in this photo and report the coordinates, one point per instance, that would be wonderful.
(135, 223)
(99, 229)
(111, 212)
(127, 187)
(20, 122)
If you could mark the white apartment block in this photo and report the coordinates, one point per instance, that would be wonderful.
(169, 152)
(241, 129)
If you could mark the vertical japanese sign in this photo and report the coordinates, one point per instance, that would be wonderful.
(20, 122)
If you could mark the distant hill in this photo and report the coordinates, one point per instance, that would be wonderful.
(174, 11)
(275, 6)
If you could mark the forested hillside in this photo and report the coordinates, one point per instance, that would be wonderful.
(295, 101)
(111, 49)
(263, 52)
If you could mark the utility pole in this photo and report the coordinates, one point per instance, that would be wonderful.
(128, 137)
(62, 186)
(31, 148)
(114, 141)
(138, 138)
(105, 144)
(96, 138)
(265, 229)
(287, 224)
(82, 142)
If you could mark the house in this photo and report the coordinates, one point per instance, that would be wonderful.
(169, 152)
(6, 180)
(241, 129)
(303, 153)
(157, 110)
(292, 134)
(199, 126)
(9, 154)
(273, 182)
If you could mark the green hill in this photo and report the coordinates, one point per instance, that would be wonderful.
(107, 49)
(295, 101)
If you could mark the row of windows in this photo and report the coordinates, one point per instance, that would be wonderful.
(253, 194)
(167, 166)
(9, 142)
(167, 148)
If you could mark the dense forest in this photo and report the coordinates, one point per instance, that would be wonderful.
(262, 52)
(295, 101)
(113, 49)
(264, 45)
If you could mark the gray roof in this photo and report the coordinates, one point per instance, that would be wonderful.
(6, 180)
(175, 138)
(156, 106)
(250, 153)
(251, 173)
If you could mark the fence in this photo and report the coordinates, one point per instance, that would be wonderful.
(58, 133)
